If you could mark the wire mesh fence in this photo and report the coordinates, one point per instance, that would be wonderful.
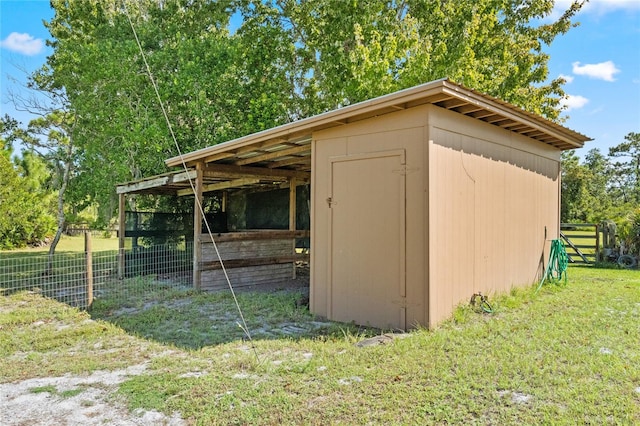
(70, 278)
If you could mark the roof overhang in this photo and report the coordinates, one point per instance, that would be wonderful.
(218, 178)
(275, 156)
(289, 146)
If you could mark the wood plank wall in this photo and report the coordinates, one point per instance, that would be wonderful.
(250, 258)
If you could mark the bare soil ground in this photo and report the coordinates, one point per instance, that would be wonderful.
(90, 400)
(73, 400)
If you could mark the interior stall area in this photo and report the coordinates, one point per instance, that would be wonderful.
(253, 230)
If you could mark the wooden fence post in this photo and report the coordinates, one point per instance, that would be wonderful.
(89, 268)
(292, 217)
(197, 226)
(598, 257)
(121, 235)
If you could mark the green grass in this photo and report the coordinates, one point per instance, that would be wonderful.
(71, 244)
(70, 393)
(192, 320)
(565, 355)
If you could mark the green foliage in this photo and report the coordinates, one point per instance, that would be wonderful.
(626, 164)
(350, 51)
(576, 200)
(288, 59)
(122, 131)
(24, 217)
(602, 188)
(629, 231)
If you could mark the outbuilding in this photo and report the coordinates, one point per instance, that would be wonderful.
(418, 199)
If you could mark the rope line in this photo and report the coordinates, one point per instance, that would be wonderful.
(243, 323)
(557, 266)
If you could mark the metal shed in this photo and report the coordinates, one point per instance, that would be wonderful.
(419, 198)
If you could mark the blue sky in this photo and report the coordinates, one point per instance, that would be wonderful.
(600, 60)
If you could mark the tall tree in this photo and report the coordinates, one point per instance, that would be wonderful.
(626, 167)
(51, 137)
(576, 199)
(24, 214)
(597, 169)
(355, 50)
(288, 59)
(122, 131)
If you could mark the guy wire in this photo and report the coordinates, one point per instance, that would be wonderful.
(243, 326)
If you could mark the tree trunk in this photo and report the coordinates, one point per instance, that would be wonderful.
(63, 187)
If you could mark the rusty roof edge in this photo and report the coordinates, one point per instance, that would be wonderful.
(443, 85)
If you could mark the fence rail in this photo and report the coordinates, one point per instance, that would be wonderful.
(581, 241)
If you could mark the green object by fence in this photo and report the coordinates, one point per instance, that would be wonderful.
(557, 266)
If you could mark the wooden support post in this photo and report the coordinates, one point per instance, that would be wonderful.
(292, 216)
(121, 235)
(197, 227)
(89, 267)
(597, 254)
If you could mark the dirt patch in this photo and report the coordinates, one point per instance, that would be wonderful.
(93, 399)
(73, 400)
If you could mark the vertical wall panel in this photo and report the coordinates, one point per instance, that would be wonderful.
(367, 225)
(404, 130)
(476, 211)
(492, 193)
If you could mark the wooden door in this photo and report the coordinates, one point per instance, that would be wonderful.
(367, 239)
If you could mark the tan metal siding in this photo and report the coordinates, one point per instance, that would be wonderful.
(404, 130)
(491, 195)
(367, 240)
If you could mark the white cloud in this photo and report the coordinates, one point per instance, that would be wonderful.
(602, 71)
(573, 102)
(567, 78)
(598, 7)
(23, 43)
(604, 6)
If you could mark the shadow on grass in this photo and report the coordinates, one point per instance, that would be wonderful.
(182, 317)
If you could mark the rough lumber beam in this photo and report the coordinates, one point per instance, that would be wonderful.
(145, 184)
(306, 159)
(255, 235)
(219, 156)
(156, 182)
(226, 170)
(272, 155)
(452, 103)
(260, 146)
(221, 185)
(258, 261)
(183, 176)
(468, 108)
